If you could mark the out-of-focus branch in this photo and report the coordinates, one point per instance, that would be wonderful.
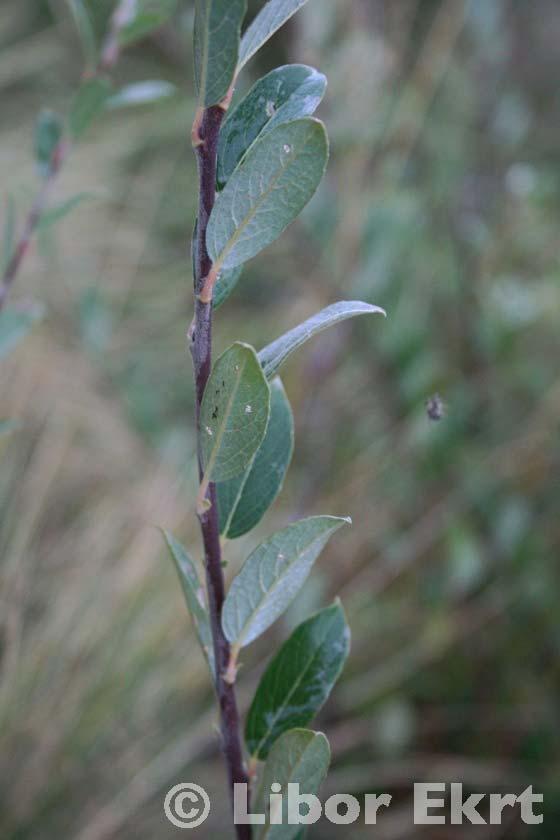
(111, 49)
(31, 223)
(110, 53)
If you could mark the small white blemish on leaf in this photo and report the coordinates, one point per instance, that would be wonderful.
(248, 409)
(287, 149)
(270, 108)
(209, 431)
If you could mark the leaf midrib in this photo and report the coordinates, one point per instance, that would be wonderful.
(308, 746)
(266, 130)
(233, 240)
(273, 356)
(240, 492)
(269, 592)
(295, 686)
(220, 436)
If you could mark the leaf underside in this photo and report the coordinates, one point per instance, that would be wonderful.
(300, 757)
(268, 21)
(267, 191)
(285, 94)
(273, 356)
(194, 597)
(142, 93)
(272, 576)
(225, 284)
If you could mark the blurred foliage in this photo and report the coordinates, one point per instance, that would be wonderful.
(441, 205)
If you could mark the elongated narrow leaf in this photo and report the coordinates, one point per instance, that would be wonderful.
(48, 132)
(243, 501)
(269, 188)
(283, 95)
(146, 16)
(272, 576)
(299, 679)
(271, 17)
(15, 325)
(8, 233)
(56, 214)
(194, 596)
(225, 284)
(300, 757)
(217, 31)
(86, 32)
(234, 413)
(88, 103)
(142, 93)
(273, 356)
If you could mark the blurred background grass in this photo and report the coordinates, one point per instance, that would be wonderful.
(441, 205)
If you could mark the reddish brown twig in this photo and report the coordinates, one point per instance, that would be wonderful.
(205, 141)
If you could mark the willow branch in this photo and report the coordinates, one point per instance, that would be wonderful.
(205, 141)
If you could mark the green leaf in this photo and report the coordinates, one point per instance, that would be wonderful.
(217, 31)
(272, 576)
(273, 356)
(269, 188)
(243, 501)
(142, 26)
(283, 95)
(234, 413)
(299, 679)
(55, 214)
(86, 32)
(268, 21)
(88, 103)
(225, 284)
(141, 93)
(15, 324)
(194, 597)
(96, 320)
(149, 15)
(48, 133)
(300, 757)
(9, 233)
